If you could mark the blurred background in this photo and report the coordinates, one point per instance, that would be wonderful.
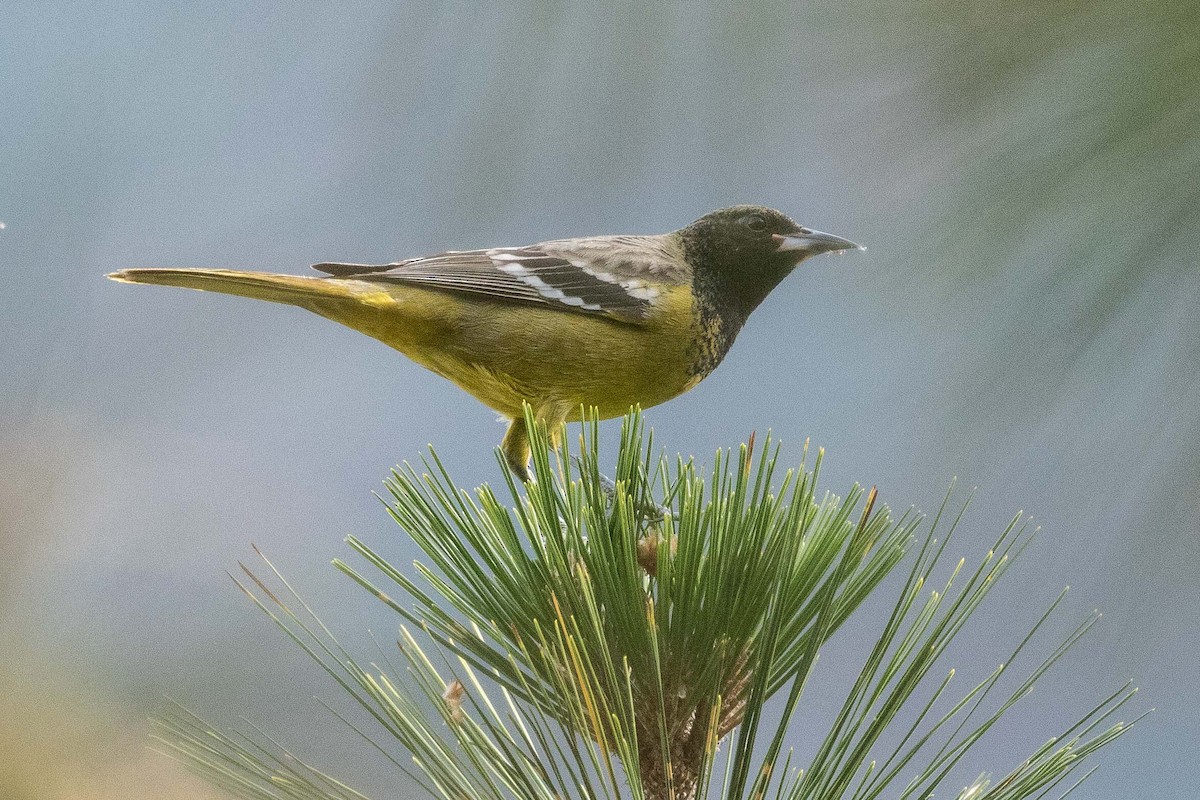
(1025, 176)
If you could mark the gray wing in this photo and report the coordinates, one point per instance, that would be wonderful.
(614, 276)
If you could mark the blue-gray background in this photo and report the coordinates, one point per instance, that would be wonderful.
(1026, 319)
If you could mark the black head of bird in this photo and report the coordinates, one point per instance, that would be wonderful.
(745, 251)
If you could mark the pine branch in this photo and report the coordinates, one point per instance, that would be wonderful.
(625, 644)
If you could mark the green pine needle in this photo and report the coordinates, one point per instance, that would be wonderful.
(592, 646)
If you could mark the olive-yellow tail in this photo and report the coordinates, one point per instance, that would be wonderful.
(290, 289)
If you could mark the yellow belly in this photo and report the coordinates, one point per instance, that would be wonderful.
(505, 353)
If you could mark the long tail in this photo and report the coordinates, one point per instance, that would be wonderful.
(290, 289)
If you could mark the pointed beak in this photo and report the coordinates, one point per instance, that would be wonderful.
(813, 242)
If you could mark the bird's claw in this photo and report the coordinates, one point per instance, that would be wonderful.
(651, 512)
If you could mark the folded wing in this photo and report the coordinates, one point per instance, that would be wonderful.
(618, 276)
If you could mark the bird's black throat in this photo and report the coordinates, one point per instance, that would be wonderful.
(728, 282)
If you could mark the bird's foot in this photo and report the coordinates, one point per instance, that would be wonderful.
(651, 512)
(651, 538)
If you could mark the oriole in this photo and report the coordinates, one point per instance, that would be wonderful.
(603, 321)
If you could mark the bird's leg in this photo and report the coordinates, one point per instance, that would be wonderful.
(515, 447)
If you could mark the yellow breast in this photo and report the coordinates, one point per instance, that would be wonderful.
(558, 360)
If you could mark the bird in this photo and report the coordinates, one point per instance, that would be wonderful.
(598, 322)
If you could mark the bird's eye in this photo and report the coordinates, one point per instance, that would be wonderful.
(754, 222)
